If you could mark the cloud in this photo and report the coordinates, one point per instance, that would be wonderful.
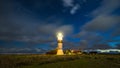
(68, 3)
(88, 38)
(54, 28)
(106, 7)
(21, 25)
(103, 19)
(72, 5)
(102, 23)
(66, 29)
(74, 9)
(22, 50)
(39, 33)
(101, 46)
(88, 35)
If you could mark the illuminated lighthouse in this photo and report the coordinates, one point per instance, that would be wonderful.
(59, 48)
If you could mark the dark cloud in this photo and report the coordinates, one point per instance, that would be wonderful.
(37, 33)
(22, 50)
(102, 23)
(101, 46)
(19, 25)
(106, 7)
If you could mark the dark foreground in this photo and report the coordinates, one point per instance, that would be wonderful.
(66, 61)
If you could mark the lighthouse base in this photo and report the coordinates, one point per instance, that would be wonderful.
(60, 52)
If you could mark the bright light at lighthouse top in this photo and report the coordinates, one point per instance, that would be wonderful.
(59, 36)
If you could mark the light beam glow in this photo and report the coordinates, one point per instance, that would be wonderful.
(59, 36)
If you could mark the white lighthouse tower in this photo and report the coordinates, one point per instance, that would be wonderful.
(60, 44)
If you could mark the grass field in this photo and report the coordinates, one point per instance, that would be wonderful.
(66, 61)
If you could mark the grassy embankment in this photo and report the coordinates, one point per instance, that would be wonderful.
(53, 61)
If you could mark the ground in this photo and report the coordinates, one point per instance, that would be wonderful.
(54, 61)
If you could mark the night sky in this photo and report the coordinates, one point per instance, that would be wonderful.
(30, 26)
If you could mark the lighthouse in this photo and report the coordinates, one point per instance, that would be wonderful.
(60, 43)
